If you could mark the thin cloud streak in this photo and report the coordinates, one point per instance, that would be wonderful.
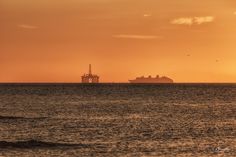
(147, 15)
(27, 26)
(127, 36)
(183, 21)
(201, 20)
(193, 20)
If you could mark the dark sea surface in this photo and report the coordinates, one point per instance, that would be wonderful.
(120, 120)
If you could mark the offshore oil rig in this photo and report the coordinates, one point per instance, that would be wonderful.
(90, 78)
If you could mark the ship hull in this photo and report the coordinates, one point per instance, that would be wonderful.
(152, 80)
(149, 82)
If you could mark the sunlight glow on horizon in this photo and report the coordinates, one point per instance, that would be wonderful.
(54, 41)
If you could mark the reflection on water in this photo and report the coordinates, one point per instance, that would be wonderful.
(118, 120)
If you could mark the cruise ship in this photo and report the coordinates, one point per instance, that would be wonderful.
(151, 79)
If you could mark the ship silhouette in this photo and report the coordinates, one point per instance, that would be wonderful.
(151, 79)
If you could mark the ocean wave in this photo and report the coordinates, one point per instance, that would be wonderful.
(37, 144)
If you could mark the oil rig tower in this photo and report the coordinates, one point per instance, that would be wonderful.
(90, 78)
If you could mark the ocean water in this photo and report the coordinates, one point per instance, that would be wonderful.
(120, 120)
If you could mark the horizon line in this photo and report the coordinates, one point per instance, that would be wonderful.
(115, 83)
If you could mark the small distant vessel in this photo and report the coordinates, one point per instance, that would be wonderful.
(151, 79)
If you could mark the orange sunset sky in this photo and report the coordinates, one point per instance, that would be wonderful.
(55, 40)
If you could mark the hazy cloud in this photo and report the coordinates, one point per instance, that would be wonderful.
(193, 20)
(147, 15)
(235, 13)
(127, 36)
(27, 26)
(201, 20)
(183, 21)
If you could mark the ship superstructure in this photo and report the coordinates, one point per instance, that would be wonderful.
(151, 79)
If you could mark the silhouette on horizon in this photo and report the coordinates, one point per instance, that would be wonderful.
(90, 78)
(151, 79)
